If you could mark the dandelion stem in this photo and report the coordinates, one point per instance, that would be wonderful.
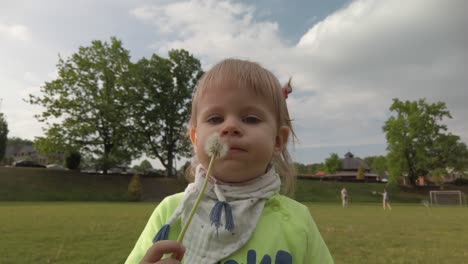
(197, 201)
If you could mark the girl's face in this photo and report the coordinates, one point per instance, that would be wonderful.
(246, 123)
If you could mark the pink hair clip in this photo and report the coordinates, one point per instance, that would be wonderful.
(287, 88)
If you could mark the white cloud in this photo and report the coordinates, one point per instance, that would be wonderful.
(15, 32)
(211, 29)
(31, 77)
(354, 61)
(372, 51)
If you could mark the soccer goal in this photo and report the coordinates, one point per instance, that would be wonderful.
(447, 198)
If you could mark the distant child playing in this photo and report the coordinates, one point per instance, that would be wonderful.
(385, 200)
(242, 217)
(344, 197)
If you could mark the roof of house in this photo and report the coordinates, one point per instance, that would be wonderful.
(320, 174)
(352, 163)
(14, 150)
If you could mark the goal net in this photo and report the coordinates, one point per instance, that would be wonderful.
(456, 198)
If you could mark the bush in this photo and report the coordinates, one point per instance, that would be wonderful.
(134, 188)
(73, 160)
(460, 181)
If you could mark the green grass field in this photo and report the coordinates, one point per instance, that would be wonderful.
(71, 232)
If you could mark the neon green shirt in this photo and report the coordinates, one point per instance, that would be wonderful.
(285, 234)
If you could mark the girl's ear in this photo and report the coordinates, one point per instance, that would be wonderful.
(193, 138)
(281, 139)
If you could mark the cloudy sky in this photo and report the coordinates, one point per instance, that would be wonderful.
(348, 59)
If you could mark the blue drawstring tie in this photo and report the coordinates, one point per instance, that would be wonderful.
(215, 216)
(163, 233)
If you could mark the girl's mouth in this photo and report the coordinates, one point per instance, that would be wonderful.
(234, 150)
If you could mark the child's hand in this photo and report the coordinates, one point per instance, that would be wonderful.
(158, 249)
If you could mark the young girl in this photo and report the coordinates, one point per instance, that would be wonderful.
(245, 104)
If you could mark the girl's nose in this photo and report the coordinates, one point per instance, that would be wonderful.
(231, 128)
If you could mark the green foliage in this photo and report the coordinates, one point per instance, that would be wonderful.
(17, 143)
(112, 110)
(416, 140)
(332, 164)
(3, 136)
(73, 160)
(52, 146)
(162, 104)
(299, 167)
(137, 168)
(448, 151)
(90, 97)
(360, 173)
(134, 188)
(378, 164)
(309, 169)
(439, 174)
(145, 165)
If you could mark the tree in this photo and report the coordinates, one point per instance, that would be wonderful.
(360, 173)
(439, 176)
(416, 140)
(3, 136)
(378, 164)
(449, 152)
(73, 160)
(163, 104)
(89, 102)
(310, 169)
(16, 143)
(52, 146)
(332, 164)
(300, 168)
(314, 168)
(145, 165)
(134, 188)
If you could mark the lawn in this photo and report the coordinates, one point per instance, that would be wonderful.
(410, 233)
(72, 232)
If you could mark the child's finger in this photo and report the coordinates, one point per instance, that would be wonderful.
(158, 249)
(168, 261)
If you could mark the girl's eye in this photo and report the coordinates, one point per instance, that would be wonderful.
(215, 120)
(251, 120)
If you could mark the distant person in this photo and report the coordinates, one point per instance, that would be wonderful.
(385, 200)
(344, 197)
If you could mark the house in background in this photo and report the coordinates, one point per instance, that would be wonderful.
(350, 169)
(27, 152)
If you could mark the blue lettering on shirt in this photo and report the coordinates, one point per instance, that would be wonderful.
(282, 257)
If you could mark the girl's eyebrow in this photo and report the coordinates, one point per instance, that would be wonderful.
(211, 109)
(256, 109)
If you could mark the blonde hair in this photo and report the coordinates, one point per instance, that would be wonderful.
(242, 73)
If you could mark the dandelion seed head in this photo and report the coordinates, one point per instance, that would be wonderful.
(214, 146)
